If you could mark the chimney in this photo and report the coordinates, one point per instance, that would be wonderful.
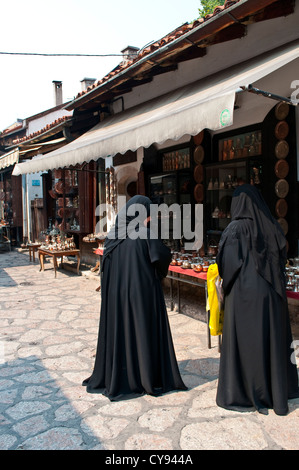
(57, 85)
(129, 53)
(86, 82)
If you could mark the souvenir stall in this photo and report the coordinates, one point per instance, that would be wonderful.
(11, 205)
(207, 168)
(72, 196)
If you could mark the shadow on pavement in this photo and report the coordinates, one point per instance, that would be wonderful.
(35, 412)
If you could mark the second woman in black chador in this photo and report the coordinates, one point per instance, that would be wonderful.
(135, 353)
(257, 367)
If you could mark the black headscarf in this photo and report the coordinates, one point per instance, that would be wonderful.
(121, 229)
(268, 243)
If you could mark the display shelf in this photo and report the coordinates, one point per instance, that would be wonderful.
(173, 187)
(66, 194)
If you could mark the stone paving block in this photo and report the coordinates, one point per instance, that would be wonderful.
(48, 338)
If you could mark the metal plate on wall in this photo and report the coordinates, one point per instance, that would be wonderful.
(282, 188)
(282, 149)
(198, 173)
(281, 130)
(284, 225)
(281, 111)
(281, 208)
(198, 193)
(281, 168)
(199, 154)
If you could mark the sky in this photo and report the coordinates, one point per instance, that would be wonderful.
(73, 27)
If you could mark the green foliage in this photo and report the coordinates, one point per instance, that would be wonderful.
(208, 6)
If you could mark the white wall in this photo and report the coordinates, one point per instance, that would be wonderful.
(41, 122)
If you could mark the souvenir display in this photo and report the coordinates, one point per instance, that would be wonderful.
(240, 146)
(58, 241)
(111, 188)
(176, 160)
(65, 192)
(292, 275)
(192, 261)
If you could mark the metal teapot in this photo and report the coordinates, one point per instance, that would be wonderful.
(212, 248)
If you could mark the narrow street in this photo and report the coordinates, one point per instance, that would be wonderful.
(48, 333)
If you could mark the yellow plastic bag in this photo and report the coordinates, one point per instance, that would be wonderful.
(215, 300)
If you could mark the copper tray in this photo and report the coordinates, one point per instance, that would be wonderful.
(281, 188)
(60, 212)
(281, 168)
(198, 173)
(281, 130)
(198, 193)
(281, 208)
(59, 187)
(284, 225)
(199, 154)
(197, 139)
(281, 111)
(282, 149)
(53, 194)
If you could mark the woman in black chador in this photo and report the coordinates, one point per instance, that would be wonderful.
(256, 367)
(135, 353)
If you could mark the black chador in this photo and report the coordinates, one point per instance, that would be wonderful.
(257, 367)
(135, 353)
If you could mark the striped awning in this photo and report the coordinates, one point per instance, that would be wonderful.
(9, 159)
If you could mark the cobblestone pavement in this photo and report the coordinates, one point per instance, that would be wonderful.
(49, 330)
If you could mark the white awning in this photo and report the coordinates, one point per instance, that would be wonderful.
(208, 103)
(9, 159)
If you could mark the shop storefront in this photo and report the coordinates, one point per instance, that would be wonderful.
(194, 145)
(11, 213)
(207, 168)
(71, 196)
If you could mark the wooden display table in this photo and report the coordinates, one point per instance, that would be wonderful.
(57, 254)
(33, 247)
(195, 279)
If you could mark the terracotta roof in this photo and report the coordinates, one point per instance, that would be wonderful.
(13, 128)
(177, 33)
(47, 128)
(188, 41)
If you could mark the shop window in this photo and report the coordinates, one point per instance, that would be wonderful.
(174, 185)
(240, 160)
